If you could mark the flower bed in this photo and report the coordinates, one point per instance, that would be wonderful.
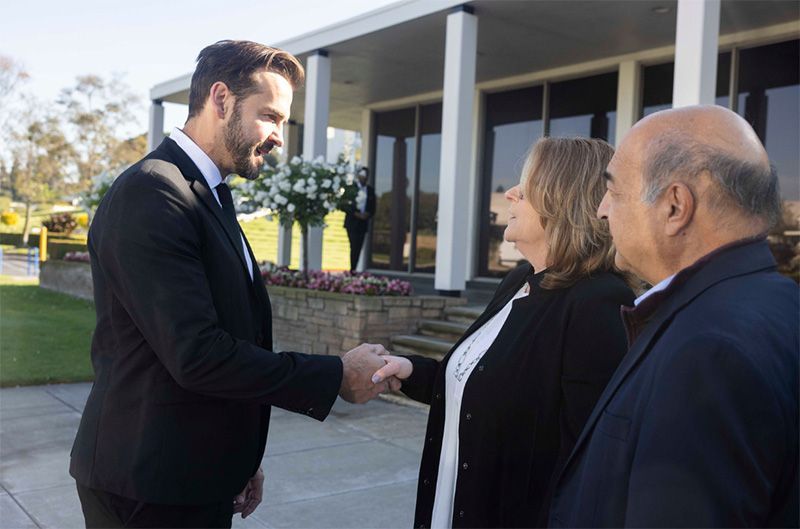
(359, 283)
(77, 257)
(324, 313)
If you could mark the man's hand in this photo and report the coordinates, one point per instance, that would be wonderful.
(359, 365)
(247, 501)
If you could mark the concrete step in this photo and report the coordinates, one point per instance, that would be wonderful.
(421, 345)
(464, 314)
(446, 330)
(400, 398)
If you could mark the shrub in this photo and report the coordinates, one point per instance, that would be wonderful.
(9, 218)
(359, 283)
(61, 223)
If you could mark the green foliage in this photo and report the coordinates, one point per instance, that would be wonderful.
(46, 335)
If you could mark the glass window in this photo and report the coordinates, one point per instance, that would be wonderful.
(657, 81)
(584, 107)
(394, 169)
(769, 97)
(513, 124)
(428, 189)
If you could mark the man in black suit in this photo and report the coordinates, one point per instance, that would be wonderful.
(356, 220)
(175, 426)
(698, 426)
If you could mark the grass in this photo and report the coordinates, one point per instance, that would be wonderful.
(263, 237)
(44, 336)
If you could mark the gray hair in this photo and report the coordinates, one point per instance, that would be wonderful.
(750, 187)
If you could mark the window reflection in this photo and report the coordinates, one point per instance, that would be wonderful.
(428, 195)
(394, 166)
(585, 107)
(658, 82)
(769, 97)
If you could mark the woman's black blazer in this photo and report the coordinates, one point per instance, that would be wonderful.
(526, 400)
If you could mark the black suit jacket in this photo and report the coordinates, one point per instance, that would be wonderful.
(184, 372)
(525, 401)
(353, 223)
(699, 425)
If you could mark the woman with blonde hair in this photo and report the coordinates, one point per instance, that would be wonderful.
(509, 400)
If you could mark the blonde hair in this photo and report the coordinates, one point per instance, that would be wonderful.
(563, 179)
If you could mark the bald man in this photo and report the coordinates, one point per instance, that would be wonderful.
(699, 425)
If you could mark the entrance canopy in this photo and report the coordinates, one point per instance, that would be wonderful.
(398, 51)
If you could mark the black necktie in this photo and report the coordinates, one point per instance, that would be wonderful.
(225, 198)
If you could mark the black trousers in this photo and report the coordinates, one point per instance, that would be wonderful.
(102, 509)
(356, 238)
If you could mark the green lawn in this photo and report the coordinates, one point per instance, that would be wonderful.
(263, 237)
(44, 336)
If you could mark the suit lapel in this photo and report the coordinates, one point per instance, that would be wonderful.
(198, 184)
(737, 260)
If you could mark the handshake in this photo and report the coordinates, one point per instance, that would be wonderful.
(369, 370)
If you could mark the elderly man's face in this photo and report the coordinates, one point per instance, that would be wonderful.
(630, 219)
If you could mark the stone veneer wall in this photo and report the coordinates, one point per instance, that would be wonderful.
(68, 277)
(308, 321)
(319, 322)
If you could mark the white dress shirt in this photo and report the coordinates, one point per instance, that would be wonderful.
(362, 206)
(462, 361)
(662, 285)
(210, 172)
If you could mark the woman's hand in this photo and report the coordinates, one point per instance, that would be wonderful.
(396, 366)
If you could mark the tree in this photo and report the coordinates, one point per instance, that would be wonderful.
(99, 114)
(12, 77)
(40, 157)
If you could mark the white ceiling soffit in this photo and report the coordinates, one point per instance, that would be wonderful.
(398, 51)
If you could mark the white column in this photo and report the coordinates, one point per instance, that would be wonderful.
(315, 132)
(696, 43)
(284, 256)
(629, 97)
(367, 123)
(155, 131)
(461, 46)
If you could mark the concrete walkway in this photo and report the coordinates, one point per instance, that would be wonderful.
(356, 469)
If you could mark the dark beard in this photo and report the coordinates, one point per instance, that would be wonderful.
(239, 148)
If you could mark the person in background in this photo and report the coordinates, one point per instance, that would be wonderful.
(356, 221)
(509, 400)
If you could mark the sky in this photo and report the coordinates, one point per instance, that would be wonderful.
(147, 41)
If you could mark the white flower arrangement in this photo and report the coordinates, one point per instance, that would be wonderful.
(299, 191)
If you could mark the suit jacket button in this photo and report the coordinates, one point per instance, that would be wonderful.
(465, 466)
(460, 514)
(480, 368)
(469, 416)
(310, 411)
(430, 439)
(438, 396)
(426, 481)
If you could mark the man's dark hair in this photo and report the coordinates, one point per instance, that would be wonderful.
(233, 62)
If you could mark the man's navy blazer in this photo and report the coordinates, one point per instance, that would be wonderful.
(699, 424)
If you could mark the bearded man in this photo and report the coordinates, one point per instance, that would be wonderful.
(175, 426)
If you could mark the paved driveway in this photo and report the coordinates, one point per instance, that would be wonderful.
(356, 469)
